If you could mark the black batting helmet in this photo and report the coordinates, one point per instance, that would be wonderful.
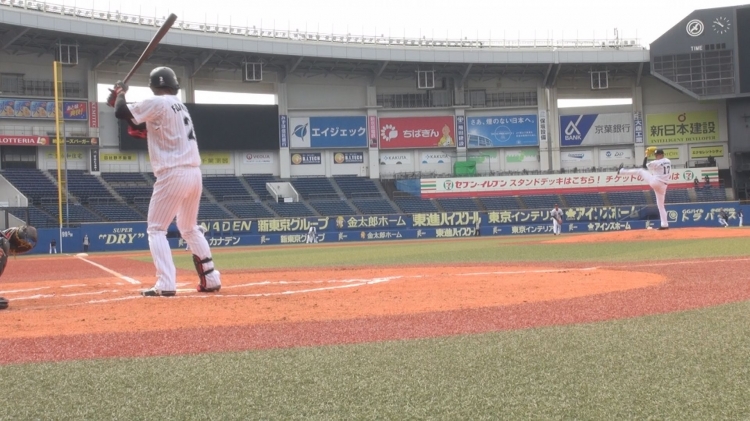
(163, 77)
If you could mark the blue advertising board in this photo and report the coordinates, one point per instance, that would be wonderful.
(503, 131)
(328, 132)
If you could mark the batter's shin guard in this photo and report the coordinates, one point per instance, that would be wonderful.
(202, 274)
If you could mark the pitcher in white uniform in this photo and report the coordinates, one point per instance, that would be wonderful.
(173, 150)
(556, 214)
(657, 174)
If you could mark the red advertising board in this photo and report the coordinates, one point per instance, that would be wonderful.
(24, 140)
(93, 114)
(417, 132)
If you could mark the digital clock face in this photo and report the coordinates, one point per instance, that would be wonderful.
(721, 25)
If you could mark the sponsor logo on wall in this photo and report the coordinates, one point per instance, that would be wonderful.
(395, 158)
(328, 132)
(417, 132)
(595, 129)
(577, 156)
(258, 158)
(521, 155)
(503, 131)
(697, 126)
(615, 155)
(436, 158)
(306, 159)
(348, 158)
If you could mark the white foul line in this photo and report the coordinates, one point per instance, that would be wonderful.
(110, 271)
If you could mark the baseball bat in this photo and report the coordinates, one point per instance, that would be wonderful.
(152, 45)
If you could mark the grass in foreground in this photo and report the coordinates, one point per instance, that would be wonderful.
(690, 365)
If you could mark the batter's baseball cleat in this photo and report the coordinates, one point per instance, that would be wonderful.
(153, 292)
(663, 228)
(201, 288)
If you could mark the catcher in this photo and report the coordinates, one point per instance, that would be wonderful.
(556, 215)
(15, 240)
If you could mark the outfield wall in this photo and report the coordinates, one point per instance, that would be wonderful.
(260, 232)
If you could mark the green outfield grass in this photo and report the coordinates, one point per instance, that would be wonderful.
(692, 365)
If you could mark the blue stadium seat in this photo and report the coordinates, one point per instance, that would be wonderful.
(291, 209)
(374, 206)
(85, 186)
(541, 201)
(32, 183)
(583, 199)
(458, 204)
(314, 187)
(257, 183)
(246, 209)
(627, 198)
(117, 212)
(501, 203)
(335, 207)
(72, 213)
(711, 194)
(226, 188)
(415, 205)
(357, 187)
(210, 210)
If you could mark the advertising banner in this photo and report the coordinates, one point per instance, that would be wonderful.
(258, 158)
(328, 132)
(503, 131)
(77, 141)
(461, 131)
(283, 131)
(349, 158)
(436, 158)
(42, 109)
(70, 156)
(596, 129)
(554, 183)
(394, 158)
(94, 159)
(94, 115)
(702, 152)
(638, 127)
(306, 158)
(671, 153)
(119, 157)
(417, 132)
(543, 126)
(372, 126)
(615, 154)
(215, 158)
(577, 156)
(696, 126)
(487, 156)
(514, 156)
(17, 140)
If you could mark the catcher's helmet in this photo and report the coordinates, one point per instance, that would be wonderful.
(163, 77)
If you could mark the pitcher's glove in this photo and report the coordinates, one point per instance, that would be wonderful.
(119, 87)
(20, 239)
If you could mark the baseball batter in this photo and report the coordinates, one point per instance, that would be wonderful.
(202, 229)
(556, 214)
(657, 174)
(173, 150)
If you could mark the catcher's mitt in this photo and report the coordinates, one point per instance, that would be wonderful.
(20, 239)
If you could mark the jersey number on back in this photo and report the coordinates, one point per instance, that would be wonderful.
(666, 168)
(189, 125)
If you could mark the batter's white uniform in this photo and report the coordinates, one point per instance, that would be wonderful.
(312, 235)
(202, 229)
(556, 213)
(657, 176)
(173, 150)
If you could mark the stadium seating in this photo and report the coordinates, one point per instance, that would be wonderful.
(129, 186)
(32, 183)
(117, 212)
(501, 203)
(335, 207)
(257, 183)
(415, 205)
(458, 204)
(250, 210)
(583, 200)
(675, 196)
(314, 187)
(374, 206)
(291, 209)
(541, 201)
(72, 213)
(85, 186)
(226, 188)
(627, 198)
(357, 187)
(209, 210)
(711, 194)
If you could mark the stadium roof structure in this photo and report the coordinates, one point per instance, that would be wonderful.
(113, 39)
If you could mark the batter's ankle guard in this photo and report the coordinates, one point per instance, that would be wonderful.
(202, 273)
